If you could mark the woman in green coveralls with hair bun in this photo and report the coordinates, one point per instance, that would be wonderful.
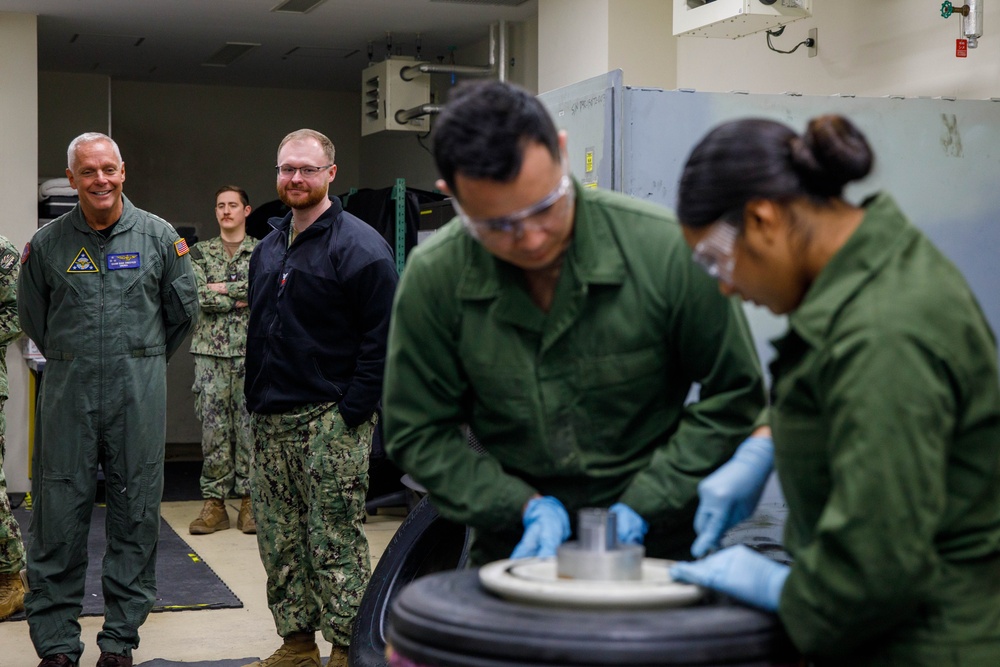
(886, 407)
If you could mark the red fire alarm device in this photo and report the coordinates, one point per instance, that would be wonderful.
(961, 48)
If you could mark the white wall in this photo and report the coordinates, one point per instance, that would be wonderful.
(19, 194)
(572, 41)
(640, 43)
(890, 47)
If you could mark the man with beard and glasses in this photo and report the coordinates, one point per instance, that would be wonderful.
(321, 290)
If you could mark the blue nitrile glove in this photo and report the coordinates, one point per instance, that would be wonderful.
(546, 526)
(739, 572)
(632, 528)
(730, 494)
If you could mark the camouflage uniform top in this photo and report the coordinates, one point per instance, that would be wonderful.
(222, 328)
(10, 327)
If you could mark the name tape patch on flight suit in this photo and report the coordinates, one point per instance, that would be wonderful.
(123, 260)
(83, 263)
(7, 261)
(181, 246)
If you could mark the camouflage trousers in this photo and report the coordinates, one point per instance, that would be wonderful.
(225, 425)
(11, 546)
(309, 479)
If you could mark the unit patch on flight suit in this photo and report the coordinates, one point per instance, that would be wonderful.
(123, 260)
(83, 263)
(7, 261)
(26, 252)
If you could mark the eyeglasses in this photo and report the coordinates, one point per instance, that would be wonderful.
(288, 171)
(714, 253)
(537, 216)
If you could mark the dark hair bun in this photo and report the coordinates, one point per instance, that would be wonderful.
(831, 154)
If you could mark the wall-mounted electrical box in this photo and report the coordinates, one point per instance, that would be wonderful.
(735, 18)
(384, 92)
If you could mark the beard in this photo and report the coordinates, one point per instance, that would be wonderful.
(299, 199)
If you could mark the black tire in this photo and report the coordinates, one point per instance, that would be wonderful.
(449, 619)
(425, 543)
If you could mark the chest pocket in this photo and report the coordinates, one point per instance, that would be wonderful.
(612, 388)
(501, 404)
(141, 322)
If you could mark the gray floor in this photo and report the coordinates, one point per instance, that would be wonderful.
(201, 636)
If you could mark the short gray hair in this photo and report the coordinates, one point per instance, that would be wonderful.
(89, 138)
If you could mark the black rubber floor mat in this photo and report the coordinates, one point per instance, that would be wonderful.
(183, 580)
(160, 662)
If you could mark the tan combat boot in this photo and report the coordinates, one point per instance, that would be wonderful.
(338, 657)
(11, 594)
(245, 520)
(299, 650)
(213, 517)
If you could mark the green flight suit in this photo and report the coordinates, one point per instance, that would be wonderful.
(11, 546)
(219, 346)
(886, 422)
(585, 403)
(107, 313)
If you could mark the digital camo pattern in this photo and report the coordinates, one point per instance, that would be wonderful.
(10, 328)
(308, 484)
(11, 546)
(221, 330)
(225, 425)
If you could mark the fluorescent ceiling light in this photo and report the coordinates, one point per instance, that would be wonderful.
(229, 53)
(297, 6)
(96, 39)
(319, 52)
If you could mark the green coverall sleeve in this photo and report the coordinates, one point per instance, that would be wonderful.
(711, 337)
(891, 410)
(10, 326)
(179, 297)
(423, 405)
(33, 299)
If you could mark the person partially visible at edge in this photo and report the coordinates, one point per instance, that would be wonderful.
(886, 407)
(219, 343)
(566, 327)
(11, 545)
(321, 288)
(106, 292)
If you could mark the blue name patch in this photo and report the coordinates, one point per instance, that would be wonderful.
(123, 260)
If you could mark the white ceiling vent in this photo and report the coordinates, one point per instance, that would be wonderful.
(229, 53)
(504, 3)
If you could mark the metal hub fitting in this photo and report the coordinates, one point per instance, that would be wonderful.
(597, 555)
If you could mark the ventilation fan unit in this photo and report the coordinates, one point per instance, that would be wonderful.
(735, 18)
(384, 93)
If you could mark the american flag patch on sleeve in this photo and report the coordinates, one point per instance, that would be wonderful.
(181, 246)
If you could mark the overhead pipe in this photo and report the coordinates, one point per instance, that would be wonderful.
(404, 116)
(413, 71)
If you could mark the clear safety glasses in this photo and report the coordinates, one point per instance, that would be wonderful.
(540, 215)
(715, 252)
